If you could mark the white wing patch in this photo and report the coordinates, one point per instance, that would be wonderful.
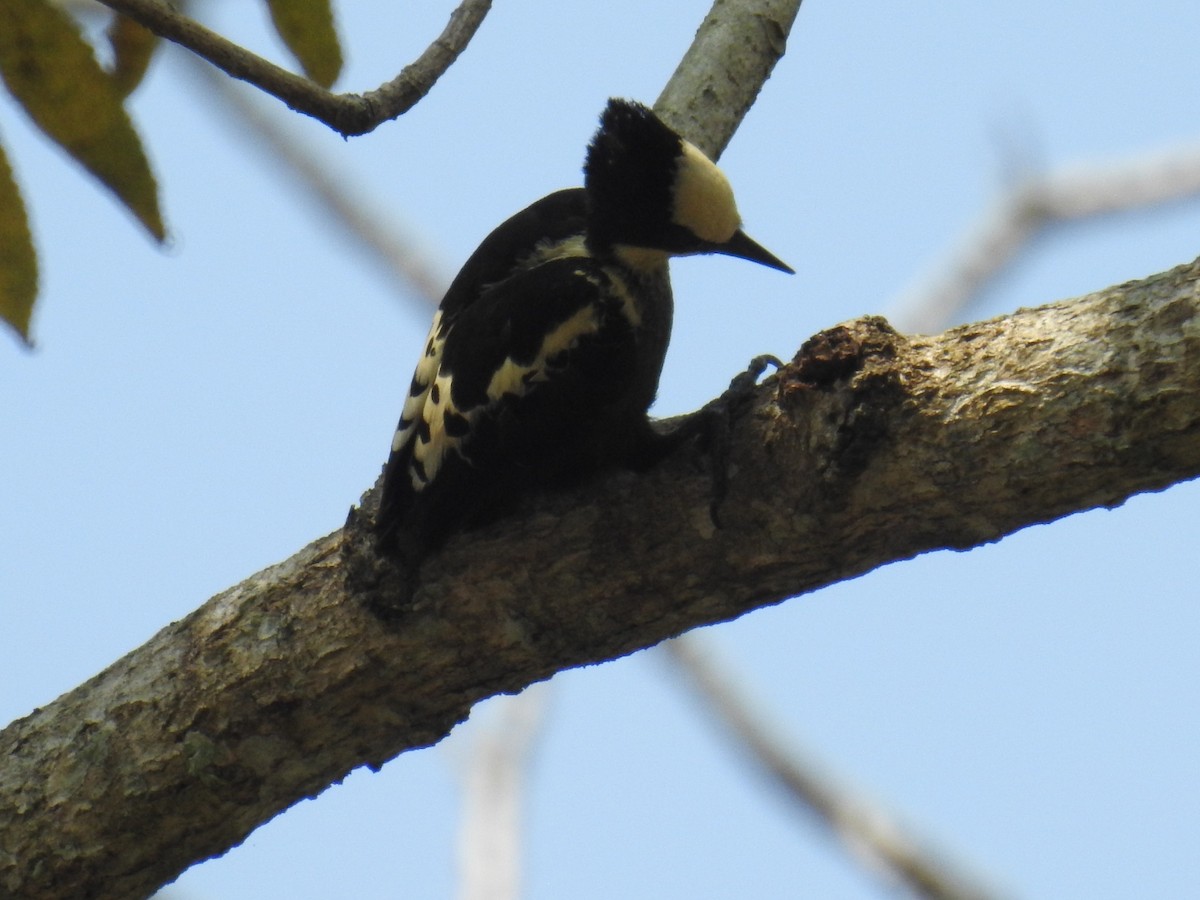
(422, 380)
(436, 427)
(514, 378)
(547, 251)
(433, 442)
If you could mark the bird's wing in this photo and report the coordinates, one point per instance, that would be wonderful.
(511, 391)
(552, 219)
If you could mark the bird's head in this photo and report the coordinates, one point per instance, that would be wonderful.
(650, 190)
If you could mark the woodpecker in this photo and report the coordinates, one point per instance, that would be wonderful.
(545, 353)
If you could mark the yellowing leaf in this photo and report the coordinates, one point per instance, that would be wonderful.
(132, 46)
(18, 261)
(53, 74)
(306, 26)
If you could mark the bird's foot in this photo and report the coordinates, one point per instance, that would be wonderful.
(720, 413)
(712, 425)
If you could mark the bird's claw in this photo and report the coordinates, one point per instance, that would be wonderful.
(718, 419)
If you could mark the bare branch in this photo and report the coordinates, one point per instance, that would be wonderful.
(863, 828)
(348, 114)
(1033, 206)
(494, 786)
(867, 448)
(728, 62)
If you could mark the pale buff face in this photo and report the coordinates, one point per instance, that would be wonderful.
(703, 198)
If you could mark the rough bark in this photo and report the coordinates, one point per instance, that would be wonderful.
(867, 448)
(732, 56)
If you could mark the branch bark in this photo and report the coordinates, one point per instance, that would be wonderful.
(732, 56)
(869, 447)
(348, 114)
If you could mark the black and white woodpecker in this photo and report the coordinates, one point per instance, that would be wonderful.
(545, 353)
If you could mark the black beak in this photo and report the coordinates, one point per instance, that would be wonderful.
(743, 246)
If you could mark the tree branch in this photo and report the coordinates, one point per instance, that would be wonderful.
(868, 448)
(494, 783)
(1030, 208)
(727, 64)
(888, 849)
(348, 114)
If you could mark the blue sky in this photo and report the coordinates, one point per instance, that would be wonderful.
(194, 415)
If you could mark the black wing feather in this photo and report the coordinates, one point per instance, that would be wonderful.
(555, 217)
(563, 414)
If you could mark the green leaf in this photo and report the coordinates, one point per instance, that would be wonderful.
(306, 27)
(53, 74)
(18, 260)
(132, 45)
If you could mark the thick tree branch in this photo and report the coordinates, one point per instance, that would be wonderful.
(348, 114)
(727, 64)
(870, 447)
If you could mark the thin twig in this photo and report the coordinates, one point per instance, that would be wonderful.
(1033, 206)
(865, 830)
(348, 114)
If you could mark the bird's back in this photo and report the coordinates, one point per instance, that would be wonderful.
(528, 377)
